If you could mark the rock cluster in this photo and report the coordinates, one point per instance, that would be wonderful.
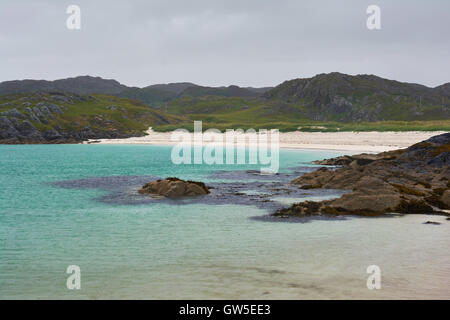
(412, 180)
(174, 187)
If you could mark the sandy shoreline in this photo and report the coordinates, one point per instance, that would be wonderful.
(339, 141)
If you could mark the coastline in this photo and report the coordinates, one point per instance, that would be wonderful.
(371, 141)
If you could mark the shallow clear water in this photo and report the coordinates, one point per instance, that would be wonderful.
(197, 250)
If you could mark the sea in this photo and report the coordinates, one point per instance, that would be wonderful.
(78, 205)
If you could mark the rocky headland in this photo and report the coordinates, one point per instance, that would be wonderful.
(62, 117)
(33, 119)
(411, 180)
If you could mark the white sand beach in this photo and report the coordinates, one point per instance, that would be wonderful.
(340, 141)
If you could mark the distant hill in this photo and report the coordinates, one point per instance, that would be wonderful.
(175, 88)
(151, 96)
(79, 85)
(443, 89)
(159, 94)
(340, 97)
(231, 91)
(259, 90)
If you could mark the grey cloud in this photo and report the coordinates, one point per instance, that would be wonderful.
(247, 42)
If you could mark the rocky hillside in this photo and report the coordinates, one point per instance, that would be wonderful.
(412, 180)
(326, 102)
(340, 97)
(153, 95)
(56, 117)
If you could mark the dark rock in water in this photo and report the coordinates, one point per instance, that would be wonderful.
(174, 187)
(432, 222)
(248, 175)
(306, 208)
(413, 180)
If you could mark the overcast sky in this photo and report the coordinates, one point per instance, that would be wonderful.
(209, 42)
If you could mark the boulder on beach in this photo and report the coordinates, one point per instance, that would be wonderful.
(174, 188)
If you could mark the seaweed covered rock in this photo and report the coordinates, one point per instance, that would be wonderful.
(174, 188)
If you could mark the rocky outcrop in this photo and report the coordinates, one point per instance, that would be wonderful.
(16, 127)
(360, 159)
(174, 188)
(413, 180)
(7, 129)
(45, 117)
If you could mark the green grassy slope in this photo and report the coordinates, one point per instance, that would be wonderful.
(231, 113)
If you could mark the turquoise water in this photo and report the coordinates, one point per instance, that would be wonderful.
(168, 250)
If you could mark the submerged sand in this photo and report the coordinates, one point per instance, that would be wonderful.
(341, 141)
